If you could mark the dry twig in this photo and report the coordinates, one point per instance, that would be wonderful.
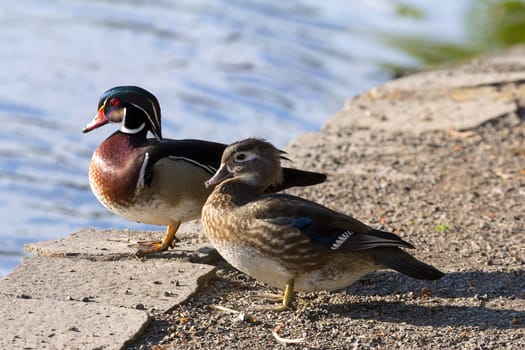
(275, 333)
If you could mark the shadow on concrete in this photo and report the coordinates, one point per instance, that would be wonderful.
(484, 287)
(453, 285)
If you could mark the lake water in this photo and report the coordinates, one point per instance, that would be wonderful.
(222, 70)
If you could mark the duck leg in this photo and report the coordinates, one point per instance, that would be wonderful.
(286, 298)
(154, 247)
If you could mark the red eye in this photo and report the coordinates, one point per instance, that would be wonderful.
(115, 102)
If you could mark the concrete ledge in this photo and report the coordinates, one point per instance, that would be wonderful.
(460, 97)
(88, 291)
(107, 245)
(53, 324)
(155, 284)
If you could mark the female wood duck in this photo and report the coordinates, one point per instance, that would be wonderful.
(155, 180)
(287, 241)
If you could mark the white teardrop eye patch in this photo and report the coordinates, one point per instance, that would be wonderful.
(243, 156)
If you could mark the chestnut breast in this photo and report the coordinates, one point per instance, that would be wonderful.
(114, 171)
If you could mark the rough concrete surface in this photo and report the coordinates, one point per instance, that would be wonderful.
(152, 284)
(92, 282)
(52, 324)
(115, 245)
(461, 98)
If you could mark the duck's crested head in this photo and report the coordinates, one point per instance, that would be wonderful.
(253, 161)
(132, 106)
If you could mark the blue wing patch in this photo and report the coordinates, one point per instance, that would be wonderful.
(301, 222)
(298, 222)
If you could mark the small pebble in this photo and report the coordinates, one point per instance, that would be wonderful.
(24, 296)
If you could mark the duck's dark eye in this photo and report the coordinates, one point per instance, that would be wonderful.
(239, 157)
(115, 102)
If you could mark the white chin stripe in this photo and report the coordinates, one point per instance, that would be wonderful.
(132, 131)
(249, 179)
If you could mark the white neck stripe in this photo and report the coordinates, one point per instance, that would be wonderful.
(126, 130)
(153, 122)
(140, 181)
(206, 167)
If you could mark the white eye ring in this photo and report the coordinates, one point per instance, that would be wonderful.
(243, 157)
(239, 157)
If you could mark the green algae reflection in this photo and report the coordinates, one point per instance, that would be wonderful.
(489, 25)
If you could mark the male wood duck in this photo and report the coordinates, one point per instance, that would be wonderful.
(287, 241)
(155, 180)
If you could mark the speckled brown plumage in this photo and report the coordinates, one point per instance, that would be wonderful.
(285, 240)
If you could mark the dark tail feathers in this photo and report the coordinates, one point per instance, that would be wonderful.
(296, 177)
(398, 260)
